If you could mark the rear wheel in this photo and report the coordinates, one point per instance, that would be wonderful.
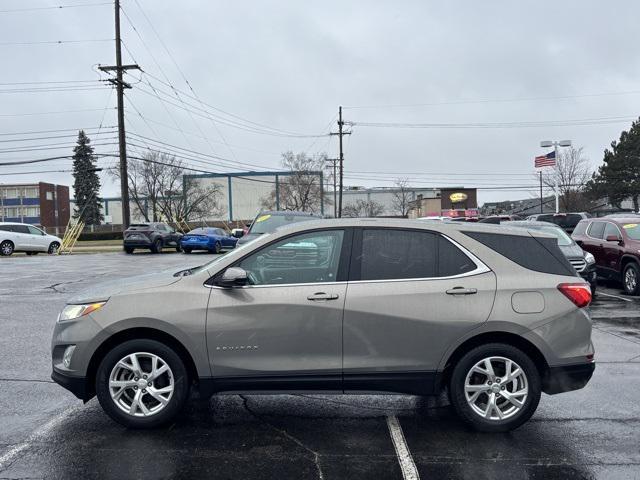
(53, 248)
(142, 384)
(495, 388)
(631, 279)
(178, 247)
(157, 246)
(6, 248)
(217, 247)
(128, 250)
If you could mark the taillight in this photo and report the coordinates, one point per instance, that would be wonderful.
(578, 293)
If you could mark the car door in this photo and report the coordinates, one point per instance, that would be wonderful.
(285, 327)
(593, 243)
(23, 238)
(612, 250)
(39, 240)
(410, 295)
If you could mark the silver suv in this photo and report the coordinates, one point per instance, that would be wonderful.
(493, 315)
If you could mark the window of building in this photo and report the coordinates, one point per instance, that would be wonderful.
(49, 195)
(31, 192)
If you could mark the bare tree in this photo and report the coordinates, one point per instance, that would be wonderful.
(572, 173)
(402, 196)
(363, 208)
(302, 190)
(159, 190)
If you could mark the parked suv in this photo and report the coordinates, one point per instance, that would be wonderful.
(584, 262)
(615, 244)
(566, 221)
(268, 221)
(152, 236)
(494, 315)
(20, 237)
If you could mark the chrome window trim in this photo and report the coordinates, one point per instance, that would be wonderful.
(591, 225)
(481, 268)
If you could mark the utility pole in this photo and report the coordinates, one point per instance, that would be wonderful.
(334, 162)
(122, 141)
(340, 134)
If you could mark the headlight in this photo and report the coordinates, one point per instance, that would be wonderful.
(76, 311)
(589, 258)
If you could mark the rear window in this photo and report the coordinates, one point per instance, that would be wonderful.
(533, 253)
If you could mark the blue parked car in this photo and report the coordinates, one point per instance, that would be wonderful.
(212, 239)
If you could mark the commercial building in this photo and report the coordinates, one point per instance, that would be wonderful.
(389, 199)
(447, 202)
(40, 203)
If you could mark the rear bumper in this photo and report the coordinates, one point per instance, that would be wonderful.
(567, 378)
(137, 244)
(76, 385)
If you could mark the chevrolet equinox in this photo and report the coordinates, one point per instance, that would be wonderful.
(494, 316)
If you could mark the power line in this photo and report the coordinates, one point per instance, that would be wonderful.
(50, 137)
(35, 172)
(54, 7)
(55, 82)
(56, 42)
(58, 112)
(40, 160)
(37, 132)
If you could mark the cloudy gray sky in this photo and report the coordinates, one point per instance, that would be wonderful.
(289, 64)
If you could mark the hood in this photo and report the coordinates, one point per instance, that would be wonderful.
(572, 251)
(102, 291)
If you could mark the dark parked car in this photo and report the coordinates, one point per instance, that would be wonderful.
(583, 262)
(151, 236)
(211, 239)
(566, 221)
(615, 244)
(268, 221)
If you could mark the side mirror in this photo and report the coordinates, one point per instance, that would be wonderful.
(613, 238)
(232, 277)
(237, 233)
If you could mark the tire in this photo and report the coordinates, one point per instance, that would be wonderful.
(178, 247)
(31, 253)
(128, 250)
(217, 248)
(514, 416)
(157, 246)
(186, 250)
(157, 413)
(631, 279)
(53, 248)
(6, 248)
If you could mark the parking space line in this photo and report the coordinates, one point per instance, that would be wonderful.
(10, 455)
(615, 296)
(407, 465)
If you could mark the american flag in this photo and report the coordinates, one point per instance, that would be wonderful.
(548, 160)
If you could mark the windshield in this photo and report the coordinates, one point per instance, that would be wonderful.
(197, 231)
(268, 223)
(633, 230)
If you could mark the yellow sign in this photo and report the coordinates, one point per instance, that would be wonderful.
(262, 218)
(458, 197)
(630, 225)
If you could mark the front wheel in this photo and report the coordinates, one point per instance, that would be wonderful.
(495, 388)
(631, 279)
(157, 246)
(6, 248)
(178, 247)
(142, 384)
(53, 248)
(128, 250)
(186, 250)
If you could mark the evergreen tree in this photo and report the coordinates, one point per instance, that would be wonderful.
(619, 177)
(86, 184)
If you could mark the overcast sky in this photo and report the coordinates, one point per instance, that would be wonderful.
(290, 64)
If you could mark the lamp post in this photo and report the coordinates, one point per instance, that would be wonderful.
(555, 145)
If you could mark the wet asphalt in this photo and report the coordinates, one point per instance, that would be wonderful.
(46, 433)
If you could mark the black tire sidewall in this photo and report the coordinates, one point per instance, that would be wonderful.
(458, 377)
(157, 246)
(624, 283)
(51, 250)
(181, 383)
(218, 247)
(2, 251)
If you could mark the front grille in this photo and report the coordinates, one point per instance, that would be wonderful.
(579, 264)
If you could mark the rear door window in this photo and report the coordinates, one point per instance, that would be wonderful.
(451, 260)
(596, 230)
(20, 229)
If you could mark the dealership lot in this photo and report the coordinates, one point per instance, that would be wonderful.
(593, 432)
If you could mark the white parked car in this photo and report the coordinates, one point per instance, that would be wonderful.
(20, 237)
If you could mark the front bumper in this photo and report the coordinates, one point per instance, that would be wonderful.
(76, 385)
(567, 378)
(590, 275)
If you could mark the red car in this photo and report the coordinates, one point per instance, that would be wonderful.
(615, 244)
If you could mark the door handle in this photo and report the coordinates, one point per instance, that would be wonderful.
(322, 296)
(461, 291)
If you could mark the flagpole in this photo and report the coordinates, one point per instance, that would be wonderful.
(557, 179)
(541, 201)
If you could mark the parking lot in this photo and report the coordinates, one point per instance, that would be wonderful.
(590, 433)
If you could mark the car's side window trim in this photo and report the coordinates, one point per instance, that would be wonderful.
(588, 232)
(355, 274)
(343, 263)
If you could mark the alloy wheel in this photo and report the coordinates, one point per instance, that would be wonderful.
(141, 384)
(6, 248)
(496, 388)
(630, 279)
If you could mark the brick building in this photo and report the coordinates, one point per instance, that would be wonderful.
(40, 203)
